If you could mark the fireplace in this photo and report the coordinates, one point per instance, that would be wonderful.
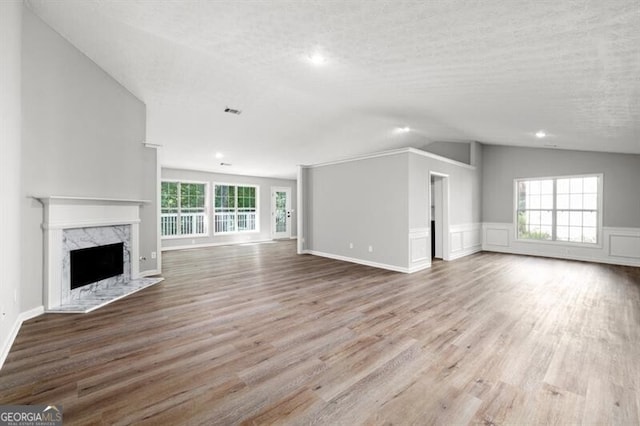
(93, 264)
(91, 252)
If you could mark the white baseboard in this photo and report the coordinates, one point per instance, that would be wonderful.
(24, 316)
(619, 246)
(204, 245)
(465, 252)
(420, 267)
(149, 273)
(359, 261)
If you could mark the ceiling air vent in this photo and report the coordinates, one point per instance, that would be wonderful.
(232, 111)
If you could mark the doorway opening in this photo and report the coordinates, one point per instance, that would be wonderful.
(439, 212)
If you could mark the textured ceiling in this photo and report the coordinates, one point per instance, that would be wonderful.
(493, 71)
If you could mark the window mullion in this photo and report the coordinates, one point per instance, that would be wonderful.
(235, 205)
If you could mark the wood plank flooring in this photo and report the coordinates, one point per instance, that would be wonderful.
(259, 335)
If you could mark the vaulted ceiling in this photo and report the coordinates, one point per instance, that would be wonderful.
(494, 71)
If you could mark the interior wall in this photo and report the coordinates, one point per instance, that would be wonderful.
(465, 190)
(149, 226)
(383, 201)
(82, 135)
(464, 198)
(363, 203)
(264, 207)
(503, 164)
(10, 137)
(619, 240)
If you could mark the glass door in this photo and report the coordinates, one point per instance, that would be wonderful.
(281, 212)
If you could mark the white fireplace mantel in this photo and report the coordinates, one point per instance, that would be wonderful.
(65, 212)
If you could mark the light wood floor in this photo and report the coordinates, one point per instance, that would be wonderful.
(257, 334)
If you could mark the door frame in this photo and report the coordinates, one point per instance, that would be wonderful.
(443, 226)
(286, 189)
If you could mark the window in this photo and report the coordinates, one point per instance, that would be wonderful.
(183, 209)
(235, 208)
(565, 209)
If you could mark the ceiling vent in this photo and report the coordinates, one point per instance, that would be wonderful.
(232, 111)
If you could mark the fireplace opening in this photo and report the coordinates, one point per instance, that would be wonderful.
(93, 264)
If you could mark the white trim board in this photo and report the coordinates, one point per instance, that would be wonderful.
(392, 152)
(386, 266)
(619, 246)
(22, 317)
(149, 273)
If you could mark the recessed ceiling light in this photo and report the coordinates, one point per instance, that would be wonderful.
(540, 134)
(317, 59)
(219, 155)
(404, 129)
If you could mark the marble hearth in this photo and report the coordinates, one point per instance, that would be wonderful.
(72, 223)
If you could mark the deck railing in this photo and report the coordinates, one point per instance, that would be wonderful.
(190, 224)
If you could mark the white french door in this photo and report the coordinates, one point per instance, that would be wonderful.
(280, 212)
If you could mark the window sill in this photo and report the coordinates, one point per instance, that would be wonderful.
(561, 243)
(221, 234)
(182, 236)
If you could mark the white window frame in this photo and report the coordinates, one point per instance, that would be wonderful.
(257, 214)
(207, 215)
(599, 232)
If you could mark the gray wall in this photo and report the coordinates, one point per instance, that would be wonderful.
(502, 165)
(458, 151)
(82, 136)
(378, 201)
(10, 119)
(149, 225)
(264, 184)
(363, 202)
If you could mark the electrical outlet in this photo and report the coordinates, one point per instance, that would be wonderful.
(370, 249)
(350, 245)
(193, 241)
(154, 255)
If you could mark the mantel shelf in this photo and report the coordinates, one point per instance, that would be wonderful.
(64, 199)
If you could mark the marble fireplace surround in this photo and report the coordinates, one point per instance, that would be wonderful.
(78, 222)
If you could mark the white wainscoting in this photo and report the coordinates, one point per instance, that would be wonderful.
(619, 246)
(464, 240)
(419, 249)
